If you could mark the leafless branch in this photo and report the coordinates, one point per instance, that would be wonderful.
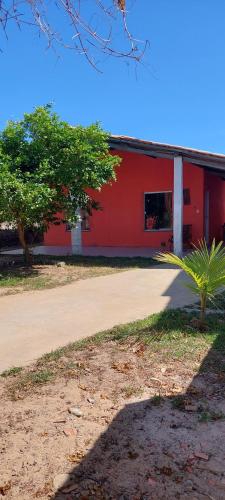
(95, 26)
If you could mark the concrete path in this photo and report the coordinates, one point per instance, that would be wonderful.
(33, 323)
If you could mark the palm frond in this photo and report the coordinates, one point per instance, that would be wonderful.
(205, 267)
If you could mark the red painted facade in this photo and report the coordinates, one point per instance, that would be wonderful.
(216, 189)
(57, 235)
(120, 223)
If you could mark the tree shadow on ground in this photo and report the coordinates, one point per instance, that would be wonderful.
(81, 260)
(13, 275)
(163, 447)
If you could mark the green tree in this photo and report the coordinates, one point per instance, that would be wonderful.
(205, 267)
(46, 167)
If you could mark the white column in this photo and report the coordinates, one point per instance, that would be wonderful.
(76, 238)
(178, 206)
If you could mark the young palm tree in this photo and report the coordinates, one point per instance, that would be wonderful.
(205, 267)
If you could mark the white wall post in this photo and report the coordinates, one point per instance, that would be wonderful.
(76, 237)
(178, 206)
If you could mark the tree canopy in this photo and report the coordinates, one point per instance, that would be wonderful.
(46, 167)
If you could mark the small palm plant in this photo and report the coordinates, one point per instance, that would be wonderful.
(205, 267)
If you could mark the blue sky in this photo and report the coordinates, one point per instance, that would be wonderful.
(177, 96)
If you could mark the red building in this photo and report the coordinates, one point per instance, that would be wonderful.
(164, 197)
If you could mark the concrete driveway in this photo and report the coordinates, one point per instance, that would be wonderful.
(33, 323)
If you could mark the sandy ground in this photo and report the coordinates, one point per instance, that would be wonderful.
(33, 323)
(47, 276)
(126, 444)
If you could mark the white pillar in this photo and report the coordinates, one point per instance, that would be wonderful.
(76, 238)
(178, 206)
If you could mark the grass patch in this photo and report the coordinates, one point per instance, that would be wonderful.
(178, 403)
(20, 280)
(52, 356)
(40, 377)
(10, 280)
(43, 282)
(129, 390)
(11, 372)
(28, 380)
(211, 416)
(157, 400)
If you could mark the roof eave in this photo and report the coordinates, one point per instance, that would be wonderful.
(157, 150)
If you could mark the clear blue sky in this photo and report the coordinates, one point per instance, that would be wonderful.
(177, 97)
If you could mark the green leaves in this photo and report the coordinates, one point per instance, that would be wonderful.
(46, 166)
(23, 199)
(205, 267)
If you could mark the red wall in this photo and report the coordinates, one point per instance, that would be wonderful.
(194, 213)
(121, 222)
(57, 236)
(216, 187)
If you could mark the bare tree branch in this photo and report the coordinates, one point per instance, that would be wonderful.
(96, 26)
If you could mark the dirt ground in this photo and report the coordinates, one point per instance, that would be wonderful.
(145, 427)
(49, 276)
(51, 272)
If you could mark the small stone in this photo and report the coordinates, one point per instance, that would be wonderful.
(61, 264)
(70, 432)
(191, 407)
(70, 489)
(61, 480)
(189, 484)
(74, 410)
(91, 400)
(202, 456)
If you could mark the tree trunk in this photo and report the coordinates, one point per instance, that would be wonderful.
(202, 310)
(26, 251)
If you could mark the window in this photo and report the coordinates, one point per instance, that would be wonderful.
(187, 196)
(158, 211)
(85, 220)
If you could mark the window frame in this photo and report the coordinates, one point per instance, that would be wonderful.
(161, 229)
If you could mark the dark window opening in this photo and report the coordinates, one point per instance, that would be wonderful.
(187, 196)
(158, 211)
(85, 220)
